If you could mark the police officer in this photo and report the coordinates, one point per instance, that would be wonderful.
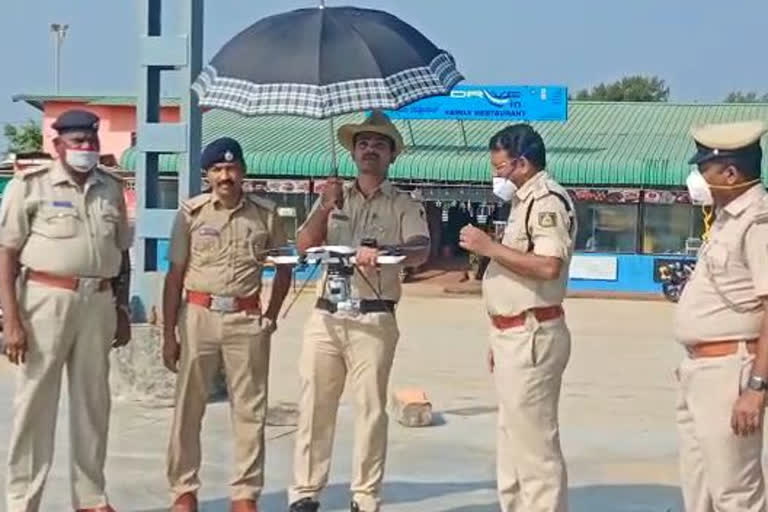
(65, 238)
(721, 321)
(523, 287)
(217, 250)
(357, 344)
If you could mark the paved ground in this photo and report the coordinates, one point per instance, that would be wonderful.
(617, 424)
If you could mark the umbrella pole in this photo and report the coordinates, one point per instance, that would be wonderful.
(334, 161)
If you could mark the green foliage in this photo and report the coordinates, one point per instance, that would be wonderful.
(749, 97)
(630, 88)
(24, 138)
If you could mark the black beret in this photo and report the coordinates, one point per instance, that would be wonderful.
(221, 150)
(76, 120)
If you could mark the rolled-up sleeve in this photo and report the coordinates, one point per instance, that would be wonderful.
(277, 236)
(756, 252)
(312, 211)
(14, 218)
(178, 250)
(549, 225)
(414, 221)
(124, 232)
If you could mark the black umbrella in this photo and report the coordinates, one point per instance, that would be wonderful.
(323, 62)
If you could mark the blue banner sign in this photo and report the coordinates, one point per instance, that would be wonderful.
(491, 103)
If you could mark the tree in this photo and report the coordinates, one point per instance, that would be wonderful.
(24, 138)
(629, 88)
(749, 97)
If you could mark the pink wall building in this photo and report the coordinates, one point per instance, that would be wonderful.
(118, 117)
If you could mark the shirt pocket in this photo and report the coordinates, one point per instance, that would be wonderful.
(515, 237)
(253, 247)
(339, 229)
(717, 257)
(56, 223)
(204, 243)
(109, 220)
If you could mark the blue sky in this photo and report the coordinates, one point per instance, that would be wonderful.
(701, 48)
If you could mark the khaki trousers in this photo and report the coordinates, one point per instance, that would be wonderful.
(720, 471)
(207, 340)
(333, 348)
(76, 330)
(529, 363)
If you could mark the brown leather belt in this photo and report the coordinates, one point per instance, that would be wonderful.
(541, 314)
(719, 348)
(224, 304)
(68, 282)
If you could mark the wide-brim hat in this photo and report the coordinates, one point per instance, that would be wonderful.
(722, 140)
(377, 122)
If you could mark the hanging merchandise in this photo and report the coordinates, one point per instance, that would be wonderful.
(482, 214)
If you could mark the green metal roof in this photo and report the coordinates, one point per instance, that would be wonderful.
(637, 144)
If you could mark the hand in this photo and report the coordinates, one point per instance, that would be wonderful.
(475, 240)
(747, 417)
(490, 361)
(269, 323)
(123, 330)
(14, 341)
(333, 195)
(171, 351)
(366, 256)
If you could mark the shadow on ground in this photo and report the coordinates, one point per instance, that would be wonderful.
(594, 498)
(608, 498)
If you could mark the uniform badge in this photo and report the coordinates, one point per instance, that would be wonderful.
(228, 156)
(547, 220)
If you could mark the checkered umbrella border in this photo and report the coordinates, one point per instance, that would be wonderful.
(325, 101)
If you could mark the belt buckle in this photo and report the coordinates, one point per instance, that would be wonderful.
(89, 284)
(223, 304)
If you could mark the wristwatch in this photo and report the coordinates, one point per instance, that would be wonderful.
(757, 383)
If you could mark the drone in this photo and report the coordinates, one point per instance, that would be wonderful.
(341, 265)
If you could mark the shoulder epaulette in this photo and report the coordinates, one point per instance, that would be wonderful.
(195, 203)
(30, 171)
(112, 174)
(263, 202)
(761, 215)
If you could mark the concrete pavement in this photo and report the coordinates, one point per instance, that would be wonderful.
(617, 419)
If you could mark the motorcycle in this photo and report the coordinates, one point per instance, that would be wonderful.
(674, 277)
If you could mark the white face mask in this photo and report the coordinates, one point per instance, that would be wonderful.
(503, 188)
(82, 161)
(698, 189)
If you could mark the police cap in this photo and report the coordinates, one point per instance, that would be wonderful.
(76, 121)
(727, 140)
(223, 150)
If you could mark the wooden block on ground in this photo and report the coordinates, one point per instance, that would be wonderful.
(412, 408)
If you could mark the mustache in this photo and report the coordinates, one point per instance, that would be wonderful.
(370, 156)
(225, 182)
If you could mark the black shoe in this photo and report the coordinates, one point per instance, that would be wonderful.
(354, 507)
(304, 505)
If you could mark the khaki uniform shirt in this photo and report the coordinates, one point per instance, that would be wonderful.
(59, 228)
(391, 217)
(224, 250)
(721, 300)
(507, 293)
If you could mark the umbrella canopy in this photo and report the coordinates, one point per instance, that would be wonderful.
(324, 62)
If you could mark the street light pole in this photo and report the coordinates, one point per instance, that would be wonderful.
(60, 32)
